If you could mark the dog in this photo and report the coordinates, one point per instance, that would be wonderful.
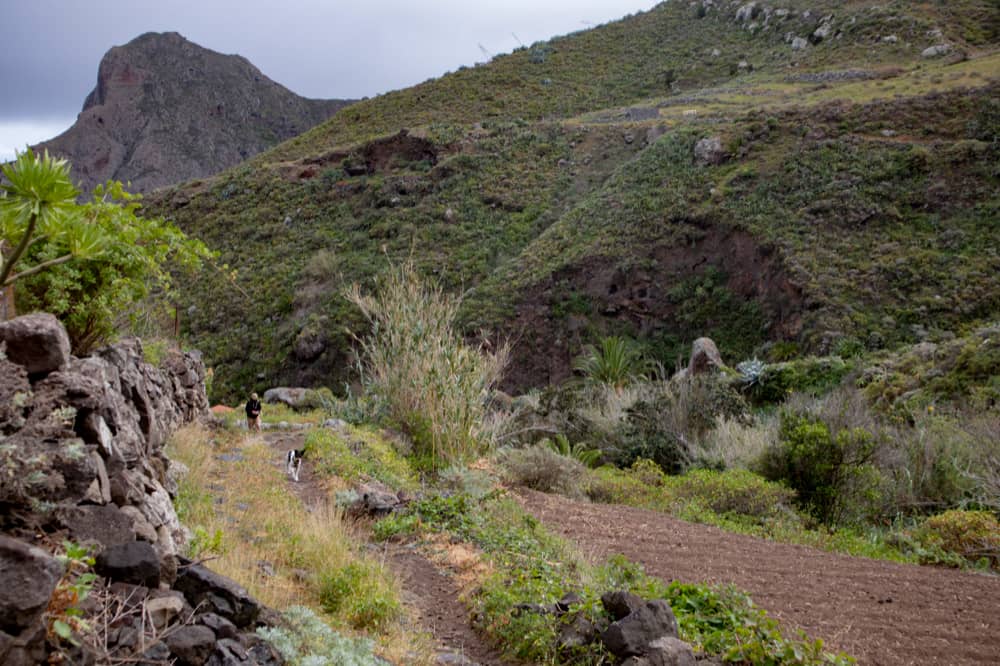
(293, 462)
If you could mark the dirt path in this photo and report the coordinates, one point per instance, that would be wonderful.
(430, 593)
(879, 612)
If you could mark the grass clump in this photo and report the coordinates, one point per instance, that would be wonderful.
(425, 377)
(361, 455)
(541, 468)
(306, 640)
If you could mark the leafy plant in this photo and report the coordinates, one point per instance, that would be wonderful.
(579, 452)
(64, 615)
(830, 470)
(971, 535)
(616, 362)
(38, 204)
(751, 372)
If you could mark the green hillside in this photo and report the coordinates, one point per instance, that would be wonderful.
(851, 200)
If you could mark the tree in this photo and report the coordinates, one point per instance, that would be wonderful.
(86, 263)
(38, 206)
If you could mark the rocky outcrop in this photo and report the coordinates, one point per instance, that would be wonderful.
(83, 459)
(166, 110)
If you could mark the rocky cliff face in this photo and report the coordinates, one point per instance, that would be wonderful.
(81, 458)
(166, 110)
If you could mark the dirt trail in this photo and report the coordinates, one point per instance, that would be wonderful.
(429, 592)
(879, 612)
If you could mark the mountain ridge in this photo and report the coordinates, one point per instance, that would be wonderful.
(807, 202)
(166, 110)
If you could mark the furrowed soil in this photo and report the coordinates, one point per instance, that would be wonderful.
(879, 612)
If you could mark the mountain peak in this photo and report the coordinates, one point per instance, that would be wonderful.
(165, 110)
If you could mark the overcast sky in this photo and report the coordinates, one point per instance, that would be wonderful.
(316, 48)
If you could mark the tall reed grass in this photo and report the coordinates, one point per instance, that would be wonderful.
(422, 374)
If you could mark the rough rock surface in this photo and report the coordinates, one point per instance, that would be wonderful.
(293, 397)
(166, 110)
(705, 357)
(86, 437)
(36, 342)
(709, 151)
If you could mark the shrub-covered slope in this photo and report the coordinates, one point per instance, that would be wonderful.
(847, 193)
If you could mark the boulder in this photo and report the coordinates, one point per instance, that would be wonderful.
(217, 594)
(632, 634)
(376, 499)
(28, 576)
(222, 627)
(669, 651)
(105, 525)
(705, 357)
(799, 44)
(163, 609)
(936, 51)
(293, 397)
(621, 603)
(136, 562)
(709, 151)
(37, 342)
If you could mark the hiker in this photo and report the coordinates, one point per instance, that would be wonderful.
(253, 413)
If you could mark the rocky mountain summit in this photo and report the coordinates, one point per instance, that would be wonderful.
(81, 455)
(166, 110)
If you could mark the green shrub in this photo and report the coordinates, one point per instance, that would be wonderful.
(830, 470)
(814, 376)
(541, 468)
(615, 363)
(972, 535)
(305, 640)
(734, 491)
(417, 366)
(668, 426)
(355, 593)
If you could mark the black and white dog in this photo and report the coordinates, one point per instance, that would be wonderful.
(293, 462)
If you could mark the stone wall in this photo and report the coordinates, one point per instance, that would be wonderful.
(81, 458)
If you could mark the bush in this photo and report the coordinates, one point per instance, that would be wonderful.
(354, 591)
(426, 378)
(734, 491)
(305, 639)
(734, 443)
(541, 468)
(829, 469)
(973, 535)
(616, 363)
(668, 426)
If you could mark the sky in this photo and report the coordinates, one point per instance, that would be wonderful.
(316, 48)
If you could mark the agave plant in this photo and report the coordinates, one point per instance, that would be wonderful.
(579, 451)
(751, 372)
(616, 363)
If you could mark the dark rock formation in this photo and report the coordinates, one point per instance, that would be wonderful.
(216, 594)
(166, 110)
(36, 342)
(136, 562)
(84, 439)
